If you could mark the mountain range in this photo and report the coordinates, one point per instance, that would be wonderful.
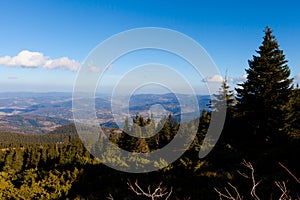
(29, 112)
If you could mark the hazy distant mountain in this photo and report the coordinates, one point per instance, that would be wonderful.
(32, 124)
(41, 112)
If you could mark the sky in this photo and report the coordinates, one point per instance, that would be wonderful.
(44, 43)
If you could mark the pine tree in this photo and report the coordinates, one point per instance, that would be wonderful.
(225, 97)
(204, 121)
(8, 160)
(131, 138)
(152, 141)
(165, 134)
(17, 160)
(126, 128)
(296, 111)
(264, 98)
(142, 146)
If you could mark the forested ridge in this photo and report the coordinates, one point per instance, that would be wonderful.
(256, 157)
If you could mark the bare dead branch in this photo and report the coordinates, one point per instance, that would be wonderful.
(283, 189)
(243, 174)
(228, 196)
(236, 195)
(285, 193)
(254, 183)
(171, 190)
(159, 191)
(286, 169)
(236, 191)
(110, 197)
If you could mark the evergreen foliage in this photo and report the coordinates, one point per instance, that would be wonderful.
(264, 99)
(262, 125)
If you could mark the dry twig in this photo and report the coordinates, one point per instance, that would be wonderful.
(283, 189)
(236, 195)
(254, 183)
(110, 197)
(158, 192)
(286, 169)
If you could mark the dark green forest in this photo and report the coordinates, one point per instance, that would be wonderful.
(256, 157)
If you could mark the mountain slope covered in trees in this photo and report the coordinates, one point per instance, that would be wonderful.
(261, 131)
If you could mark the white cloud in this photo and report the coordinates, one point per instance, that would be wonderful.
(24, 59)
(232, 80)
(297, 78)
(244, 76)
(62, 63)
(214, 79)
(37, 59)
(94, 69)
(240, 79)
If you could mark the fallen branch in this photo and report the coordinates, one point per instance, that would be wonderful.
(286, 169)
(283, 189)
(235, 195)
(158, 192)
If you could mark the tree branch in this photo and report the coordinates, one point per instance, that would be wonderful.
(286, 169)
(159, 191)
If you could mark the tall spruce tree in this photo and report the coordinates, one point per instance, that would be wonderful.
(296, 109)
(264, 98)
(225, 97)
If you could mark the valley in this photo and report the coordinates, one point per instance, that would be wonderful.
(34, 113)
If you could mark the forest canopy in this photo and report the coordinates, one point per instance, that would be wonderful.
(262, 126)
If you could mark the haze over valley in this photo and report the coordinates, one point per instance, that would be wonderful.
(29, 112)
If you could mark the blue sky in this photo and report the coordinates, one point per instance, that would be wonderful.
(61, 34)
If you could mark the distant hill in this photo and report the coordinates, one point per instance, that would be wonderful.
(30, 124)
(28, 112)
(59, 135)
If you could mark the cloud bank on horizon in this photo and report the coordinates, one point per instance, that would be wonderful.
(30, 59)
